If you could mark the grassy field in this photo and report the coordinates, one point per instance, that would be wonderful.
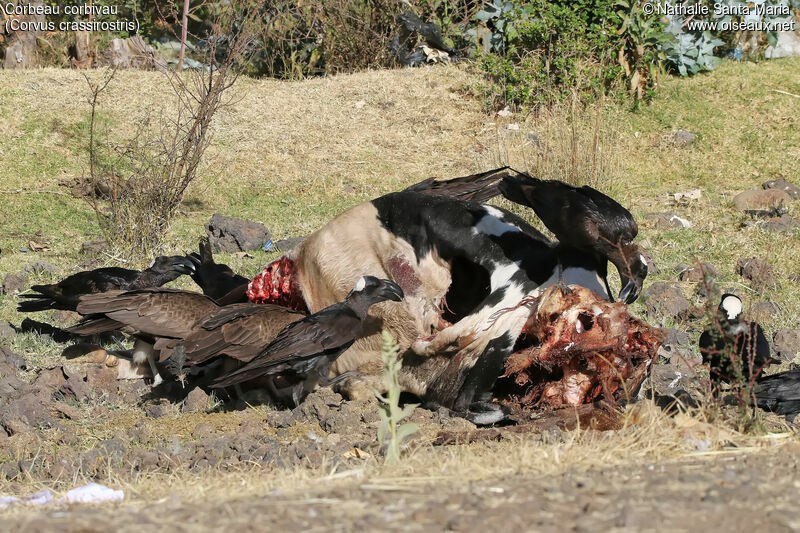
(294, 154)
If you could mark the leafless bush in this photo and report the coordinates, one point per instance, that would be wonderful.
(136, 186)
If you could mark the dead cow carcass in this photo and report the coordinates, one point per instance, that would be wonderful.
(584, 348)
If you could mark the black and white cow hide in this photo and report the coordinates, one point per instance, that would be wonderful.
(466, 263)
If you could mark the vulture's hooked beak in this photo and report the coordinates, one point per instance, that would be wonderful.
(391, 291)
(183, 265)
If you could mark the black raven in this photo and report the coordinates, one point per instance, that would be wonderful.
(66, 293)
(303, 352)
(779, 393)
(587, 220)
(729, 342)
(215, 279)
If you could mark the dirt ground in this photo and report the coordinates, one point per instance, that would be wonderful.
(727, 492)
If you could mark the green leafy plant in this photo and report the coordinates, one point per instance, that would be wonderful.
(391, 433)
(640, 54)
(689, 52)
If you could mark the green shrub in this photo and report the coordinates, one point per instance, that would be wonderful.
(539, 52)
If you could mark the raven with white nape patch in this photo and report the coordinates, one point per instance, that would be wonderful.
(66, 293)
(305, 349)
(731, 345)
(587, 220)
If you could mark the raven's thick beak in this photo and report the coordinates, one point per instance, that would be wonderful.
(629, 292)
(391, 291)
(183, 265)
(632, 272)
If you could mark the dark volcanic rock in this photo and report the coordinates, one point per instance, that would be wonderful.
(29, 409)
(94, 247)
(75, 388)
(783, 185)
(285, 245)
(696, 273)
(7, 331)
(677, 349)
(41, 267)
(12, 359)
(196, 401)
(14, 283)
(51, 378)
(684, 138)
(774, 223)
(666, 300)
(757, 271)
(760, 199)
(786, 344)
(764, 310)
(228, 234)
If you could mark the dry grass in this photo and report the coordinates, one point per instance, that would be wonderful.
(293, 154)
(649, 437)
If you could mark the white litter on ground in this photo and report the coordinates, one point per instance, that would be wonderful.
(93, 493)
(39, 498)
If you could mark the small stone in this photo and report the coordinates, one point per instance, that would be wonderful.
(280, 419)
(757, 271)
(67, 410)
(786, 344)
(41, 267)
(698, 273)
(50, 378)
(75, 388)
(763, 310)
(102, 379)
(285, 245)
(229, 234)
(63, 316)
(684, 138)
(197, 401)
(202, 430)
(7, 331)
(783, 185)
(157, 409)
(532, 137)
(14, 283)
(94, 247)
(669, 220)
(665, 299)
(760, 199)
(781, 223)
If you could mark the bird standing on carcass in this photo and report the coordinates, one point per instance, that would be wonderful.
(586, 220)
(459, 263)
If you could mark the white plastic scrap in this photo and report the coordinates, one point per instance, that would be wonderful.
(693, 194)
(682, 221)
(39, 498)
(93, 493)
